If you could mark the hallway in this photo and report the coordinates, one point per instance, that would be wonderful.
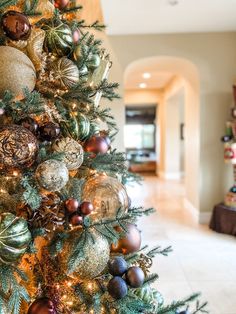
(201, 261)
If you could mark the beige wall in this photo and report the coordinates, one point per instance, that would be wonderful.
(214, 55)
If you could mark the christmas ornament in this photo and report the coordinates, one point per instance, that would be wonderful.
(16, 71)
(73, 152)
(35, 47)
(106, 194)
(130, 243)
(86, 208)
(79, 50)
(14, 237)
(117, 288)
(95, 255)
(149, 295)
(49, 131)
(76, 35)
(71, 205)
(76, 220)
(42, 306)
(52, 175)
(93, 62)
(16, 25)
(65, 73)
(135, 277)
(183, 312)
(83, 72)
(94, 129)
(30, 124)
(83, 126)
(18, 147)
(61, 4)
(59, 38)
(96, 144)
(226, 138)
(117, 266)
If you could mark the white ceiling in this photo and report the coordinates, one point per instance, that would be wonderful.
(158, 16)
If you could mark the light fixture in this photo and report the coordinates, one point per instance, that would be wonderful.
(142, 85)
(173, 2)
(146, 75)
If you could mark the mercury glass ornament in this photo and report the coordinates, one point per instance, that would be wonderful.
(106, 194)
(65, 73)
(52, 175)
(18, 147)
(73, 152)
(14, 237)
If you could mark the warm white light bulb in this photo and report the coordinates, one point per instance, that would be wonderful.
(142, 85)
(146, 75)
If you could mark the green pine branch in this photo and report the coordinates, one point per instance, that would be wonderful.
(31, 194)
(6, 3)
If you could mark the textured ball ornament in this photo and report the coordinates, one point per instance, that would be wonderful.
(135, 277)
(16, 71)
(16, 25)
(71, 205)
(117, 288)
(65, 73)
(96, 144)
(42, 306)
(14, 237)
(96, 253)
(30, 124)
(86, 208)
(49, 131)
(73, 152)
(61, 4)
(52, 175)
(106, 194)
(130, 243)
(18, 147)
(117, 266)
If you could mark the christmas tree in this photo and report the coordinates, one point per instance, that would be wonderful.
(68, 239)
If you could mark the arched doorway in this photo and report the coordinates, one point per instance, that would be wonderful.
(183, 74)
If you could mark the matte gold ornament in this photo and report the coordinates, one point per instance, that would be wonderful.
(52, 175)
(16, 71)
(96, 253)
(18, 147)
(14, 237)
(106, 194)
(35, 47)
(73, 151)
(65, 73)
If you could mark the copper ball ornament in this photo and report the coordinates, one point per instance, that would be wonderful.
(18, 147)
(76, 220)
(71, 205)
(61, 4)
(42, 306)
(135, 277)
(130, 243)
(96, 145)
(117, 288)
(49, 131)
(86, 208)
(16, 25)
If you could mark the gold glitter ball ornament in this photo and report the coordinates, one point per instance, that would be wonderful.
(96, 254)
(107, 195)
(52, 175)
(16, 71)
(18, 147)
(73, 152)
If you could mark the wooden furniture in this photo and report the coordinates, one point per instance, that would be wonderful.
(223, 219)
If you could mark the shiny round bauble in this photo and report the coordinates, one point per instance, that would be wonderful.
(72, 205)
(117, 288)
(16, 25)
(58, 39)
(95, 255)
(79, 50)
(16, 71)
(18, 147)
(233, 189)
(117, 266)
(61, 4)
(94, 129)
(96, 144)
(83, 73)
(76, 35)
(52, 175)
(65, 73)
(73, 152)
(226, 138)
(86, 208)
(49, 131)
(107, 195)
(83, 126)
(135, 277)
(76, 220)
(42, 306)
(93, 62)
(30, 124)
(129, 243)
(105, 136)
(14, 237)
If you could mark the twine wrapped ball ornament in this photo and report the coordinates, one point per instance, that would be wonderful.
(16, 71)
(18, 147)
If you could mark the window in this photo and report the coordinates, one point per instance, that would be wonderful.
(138, 136)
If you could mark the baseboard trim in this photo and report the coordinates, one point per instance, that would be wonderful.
(188, 205)
(171, 175)
(204, 218)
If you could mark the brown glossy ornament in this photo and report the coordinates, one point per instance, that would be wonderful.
(130, 243)
(135, 277)
(76, 220)
(30, 124)
(61, 4)
(49, 131)
(96, 144)
(42, 306)
(16, 25)
(71, 205)
(86, 208)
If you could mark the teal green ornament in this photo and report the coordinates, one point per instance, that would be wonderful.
(93, 62)
(84, 126)
(83, 72)
(94, 129)
(14, 237)
(58, 38)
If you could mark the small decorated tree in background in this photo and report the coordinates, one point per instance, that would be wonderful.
(69, 243)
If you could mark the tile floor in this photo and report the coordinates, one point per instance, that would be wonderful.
(202, 260)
